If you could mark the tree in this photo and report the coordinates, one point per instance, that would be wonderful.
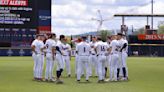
(103, 34)
(161, 29)
(139, 31)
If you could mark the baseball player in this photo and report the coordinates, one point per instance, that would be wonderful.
(108, 55)
(122, 55)
(76, 57)
(101, 49)
(83, 50)
(38, 56)
(125, 58)
(50, 57)
(67, 56)
(93, 57)
(107, 59)
(113, 49)
(59, 59)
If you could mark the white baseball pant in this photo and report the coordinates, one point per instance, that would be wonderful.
(76, 64)
(93, 64)
(82, 61)
(109, 59)
(67, 64)
(35, 71)
(101, 66)
(38, 65)
(113, 66)
(124, 63)
(76, 60)
(60, 62)
(49, 66)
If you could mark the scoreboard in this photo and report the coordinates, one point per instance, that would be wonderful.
(21, 20)
(18, 14)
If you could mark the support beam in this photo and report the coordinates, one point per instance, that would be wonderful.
(152, 12)
(123, 20)
(147, 20)
(138, 15)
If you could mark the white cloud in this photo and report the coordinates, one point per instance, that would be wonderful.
(73, 9)
(70, 31)
(74, 17)
(103, 1)
(66, 22)
(158, 8)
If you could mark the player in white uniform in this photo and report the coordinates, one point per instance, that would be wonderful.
(50, 57)
(83, 50)
(37, 52)
(126, 55)
(109, 55)
(67, 57)
(113, 49)
(123, 56)
(43, 55)
(101, 49)
(76, 57)
(93, 57)
(59, 59)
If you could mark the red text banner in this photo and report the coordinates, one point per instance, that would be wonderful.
(151, 37)
(14, 2)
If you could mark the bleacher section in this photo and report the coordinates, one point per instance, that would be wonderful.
(17, 37)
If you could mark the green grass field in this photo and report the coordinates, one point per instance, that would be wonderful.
(146, 75)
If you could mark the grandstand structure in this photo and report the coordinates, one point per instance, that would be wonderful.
(148, 44)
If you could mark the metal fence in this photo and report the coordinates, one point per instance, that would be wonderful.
(146, 50)
(5, 51)
(134, 50)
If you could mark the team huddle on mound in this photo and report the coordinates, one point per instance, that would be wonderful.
(97, 55)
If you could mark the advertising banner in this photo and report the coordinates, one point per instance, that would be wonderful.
(151, 37)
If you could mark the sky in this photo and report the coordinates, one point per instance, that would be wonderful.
(72, 17)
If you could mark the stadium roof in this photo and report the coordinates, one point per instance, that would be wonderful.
(138, 15)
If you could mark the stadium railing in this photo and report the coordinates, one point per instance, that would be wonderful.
(133, 50)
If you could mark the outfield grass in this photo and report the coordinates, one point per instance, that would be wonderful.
(146, 75)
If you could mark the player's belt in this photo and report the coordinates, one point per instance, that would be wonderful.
(58, 53)
(65, 55)
(83, 55)
(114, 53)
(93, 54)
(38, 53)
(124, 52)
(101, 55)
(48, 52)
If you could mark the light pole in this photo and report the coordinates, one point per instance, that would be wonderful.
(152, 12)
